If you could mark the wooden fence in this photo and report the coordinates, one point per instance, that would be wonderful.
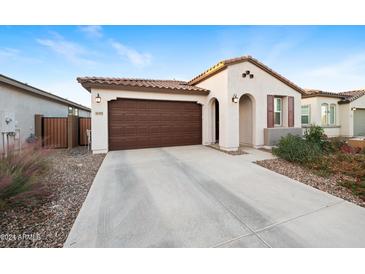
(84, 125)
(62, 132)
(55, 132)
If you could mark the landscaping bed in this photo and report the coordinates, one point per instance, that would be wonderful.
(328, 164)
(46, 220)
(331, 184)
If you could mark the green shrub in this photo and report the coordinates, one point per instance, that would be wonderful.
(296, 149)
(315, 134)
(20, 172)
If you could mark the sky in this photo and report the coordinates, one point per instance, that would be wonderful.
(330, 58)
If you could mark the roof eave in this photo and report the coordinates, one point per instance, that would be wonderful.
(89, 86)
(322, 95)
(342, 102)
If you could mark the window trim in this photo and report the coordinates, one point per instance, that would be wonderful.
(309, 114)
(281, 112)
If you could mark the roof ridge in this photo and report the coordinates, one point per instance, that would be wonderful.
(224, 63)
(128, 79)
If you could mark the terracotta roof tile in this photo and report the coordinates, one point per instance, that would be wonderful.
(317, 92)
(345, 97)
(353, 95)
(174, 85)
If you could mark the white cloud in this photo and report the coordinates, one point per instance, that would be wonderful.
(71, 51)
(278, 50)
(348, 65)
(132, 55)
(12, 54)
(92, 31)
(8, 53)
(345, 74)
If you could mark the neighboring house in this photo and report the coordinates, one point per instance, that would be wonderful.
(236, 102)
(22, 102)
(340, 114)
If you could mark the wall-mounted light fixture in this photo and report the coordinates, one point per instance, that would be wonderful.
(251, 76)
(235, 98)
(98, 98)
(247, 72)
(353, 108)
(244, 75)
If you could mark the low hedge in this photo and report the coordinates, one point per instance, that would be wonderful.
(296, 149)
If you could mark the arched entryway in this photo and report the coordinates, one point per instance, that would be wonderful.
(246, 120)
(214, 107)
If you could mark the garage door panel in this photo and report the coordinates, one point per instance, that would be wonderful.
(147, 123)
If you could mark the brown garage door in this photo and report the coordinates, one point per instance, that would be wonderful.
(151, 123)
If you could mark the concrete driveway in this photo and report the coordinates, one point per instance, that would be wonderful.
(196, 196)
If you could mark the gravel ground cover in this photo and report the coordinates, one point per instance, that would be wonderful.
(329, 184)
(47, 222)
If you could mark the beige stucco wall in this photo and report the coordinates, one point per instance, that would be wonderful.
(340, 127)
(259, 87)
(314, 110)
(222, 85)
(229, 82)
(346, 116)
(217, 84)
(99, 116)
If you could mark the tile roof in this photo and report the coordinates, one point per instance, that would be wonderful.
(345, 97)
(353, 95)
(223, 64)
(317, 92)
(173, 85)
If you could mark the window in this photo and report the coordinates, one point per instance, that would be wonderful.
(324, 114)
(332, 114)
(277, 111)
(306, 115)
(70, 110)
(76, 112)
(328, 114)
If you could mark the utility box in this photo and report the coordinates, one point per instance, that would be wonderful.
(7, 122)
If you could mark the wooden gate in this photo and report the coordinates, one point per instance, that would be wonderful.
(54, 132)
(84, 124)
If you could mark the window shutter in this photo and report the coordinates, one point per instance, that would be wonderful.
(270, 111)
(290, 111)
